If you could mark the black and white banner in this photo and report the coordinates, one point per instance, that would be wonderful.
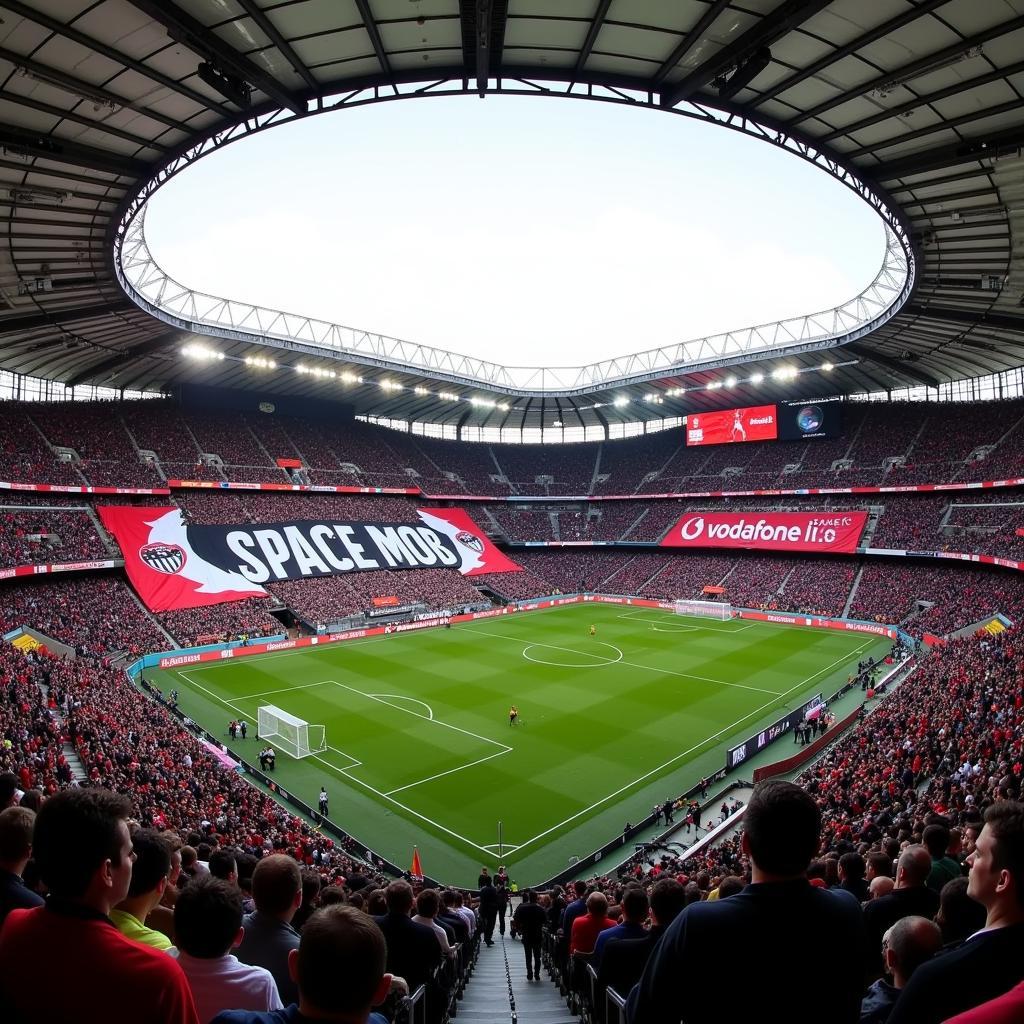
(176, 565)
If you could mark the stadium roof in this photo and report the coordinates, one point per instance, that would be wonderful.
(917, 104)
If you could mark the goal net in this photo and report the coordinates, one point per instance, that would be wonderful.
(290, 734)
(708, 609)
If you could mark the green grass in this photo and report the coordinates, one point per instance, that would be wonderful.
(421, 752)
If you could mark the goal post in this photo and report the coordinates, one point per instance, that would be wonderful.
(708, 609)
(290, 734)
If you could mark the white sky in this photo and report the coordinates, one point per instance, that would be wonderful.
(524, 230)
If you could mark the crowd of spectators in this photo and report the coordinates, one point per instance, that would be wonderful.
(882, 444)
(575, 572)
(819, 586)
(24, 453)
(953, 596)
(218, 623)
(47, 535)
(322, 600)
(96, 615)
(32, 750)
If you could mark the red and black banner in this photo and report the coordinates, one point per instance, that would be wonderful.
(830, 532)
(173, 564)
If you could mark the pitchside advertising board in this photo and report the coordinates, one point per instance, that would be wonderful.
(173, 564)
(832, 533)
(788, 421)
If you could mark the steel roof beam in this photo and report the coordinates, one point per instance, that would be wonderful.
(55, 317)
(125, 355)
(830, 58)
(905, 368)
(86, 89)
(62, 113)
(915, 67)
(989, 318)
(770, 28)
(966, 151)
(373, 31)
(48, 147)
(118, 57)
(921, 101)
(691, 37)
(269, 29)
(596, 24)
(194, 34)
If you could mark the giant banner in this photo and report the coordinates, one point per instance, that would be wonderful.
(173, 564)
(829, 532)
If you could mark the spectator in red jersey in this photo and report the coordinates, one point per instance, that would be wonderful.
(587, 927)
(84, 853)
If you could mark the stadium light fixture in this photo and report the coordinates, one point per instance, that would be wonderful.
(37, 195)
(714, 385)
(421, 391)
(621, 402)
(350, 378)
(504, 406)
(260, 363)
(486, 403)
(557, 423)
(785, 373)
(730, 382)
(390, 385)
(315, 371)
(201, 352)
(448, 396)
(98, 100)
(827, 367)
(756, 378)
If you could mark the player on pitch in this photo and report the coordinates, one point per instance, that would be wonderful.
(513, 715)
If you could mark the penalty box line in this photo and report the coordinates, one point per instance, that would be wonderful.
(503, 748)
(637, 615)
(686, 753)
(344, 772)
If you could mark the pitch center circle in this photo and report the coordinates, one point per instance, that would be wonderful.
(597, 660)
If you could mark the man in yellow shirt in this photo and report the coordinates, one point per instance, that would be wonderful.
(152, 856)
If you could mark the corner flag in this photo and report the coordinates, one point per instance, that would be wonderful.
(417, 869)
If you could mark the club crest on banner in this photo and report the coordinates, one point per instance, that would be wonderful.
(166, 558)
(470, 541)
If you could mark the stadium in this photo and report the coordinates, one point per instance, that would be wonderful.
(707, 644)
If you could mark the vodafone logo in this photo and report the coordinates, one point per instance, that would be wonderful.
(691, 529)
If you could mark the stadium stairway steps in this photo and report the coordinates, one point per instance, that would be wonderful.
(853, 592)
(500, 992)
(78, 772)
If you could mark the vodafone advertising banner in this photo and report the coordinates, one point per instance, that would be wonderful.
(175, 564)
(835, 532)
(731, 426)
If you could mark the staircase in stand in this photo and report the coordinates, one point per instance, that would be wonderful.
(500, 992)
(853, 592)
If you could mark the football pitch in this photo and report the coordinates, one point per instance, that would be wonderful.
(420, 750)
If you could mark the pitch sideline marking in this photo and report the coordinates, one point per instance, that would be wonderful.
(697, 746)
(360, 782)
(284, 689)
(450, 771)
(436, 721)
